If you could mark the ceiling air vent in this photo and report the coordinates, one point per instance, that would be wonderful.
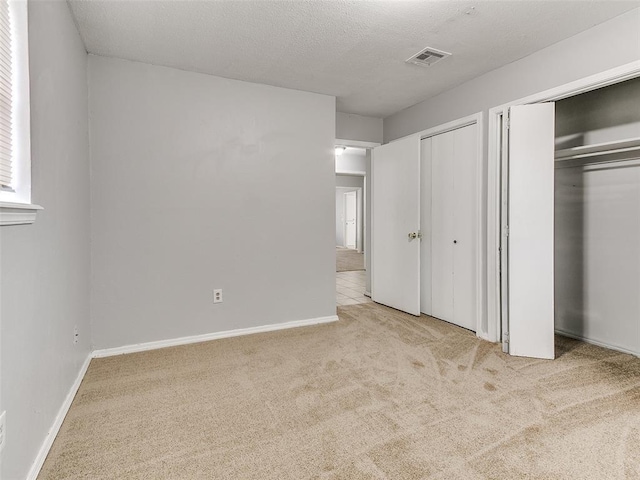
(427, 56)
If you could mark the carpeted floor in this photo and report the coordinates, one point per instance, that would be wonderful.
(377, 395)
(348, 260)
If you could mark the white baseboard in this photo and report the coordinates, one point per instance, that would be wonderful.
(565, 333)
(57, 423)
(172, 342)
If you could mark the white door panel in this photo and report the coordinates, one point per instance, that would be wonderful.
(425, 226)
(442, 226)
(464, 228)
(531, 233)
(350, 219)
(395, 214)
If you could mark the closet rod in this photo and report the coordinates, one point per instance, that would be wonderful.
(618, 149)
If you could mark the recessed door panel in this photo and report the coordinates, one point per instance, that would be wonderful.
(350, 219)
(442, 226)
(464, 230)
(425, 226)
(531, 230)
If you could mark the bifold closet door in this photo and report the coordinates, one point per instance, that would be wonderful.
(425, 225)
(395, 260)
(465, 212)
(453, 219)
(530, 269)
(442, 226)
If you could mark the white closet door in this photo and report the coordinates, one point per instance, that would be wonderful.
(465, 312)
(531, 234)
(395, 215)
(425, 226)
(442, 226)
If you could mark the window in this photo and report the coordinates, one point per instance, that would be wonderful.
(15, 146)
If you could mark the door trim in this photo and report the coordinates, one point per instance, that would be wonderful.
(478, 120)
(356, 143)
(583, 85)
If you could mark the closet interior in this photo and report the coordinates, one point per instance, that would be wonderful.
(597, 216)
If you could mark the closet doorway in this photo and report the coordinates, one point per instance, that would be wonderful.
(597, 216)
(570, 218)
(426, 231)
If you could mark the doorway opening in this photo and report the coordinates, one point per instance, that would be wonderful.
(590, 272)
(352, 222)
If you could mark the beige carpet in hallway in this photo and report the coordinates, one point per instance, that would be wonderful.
(377, 395)
(348, 260)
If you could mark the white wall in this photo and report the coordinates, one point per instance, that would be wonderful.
(45, 266)
(597, 244)
(350, 163)
(358, 127)
(367, 222)
(197, 183)
(604, 115)
(605, 46)
(349, 181)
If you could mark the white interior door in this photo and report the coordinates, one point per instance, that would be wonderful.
(350, 219)
(530, 238)
(395, 217)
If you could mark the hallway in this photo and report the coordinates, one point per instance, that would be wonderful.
(350, 288)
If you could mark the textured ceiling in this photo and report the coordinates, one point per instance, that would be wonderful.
(354, 50)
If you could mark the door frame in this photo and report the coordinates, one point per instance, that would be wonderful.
(478, 120)
(494, 183)
(366, 205)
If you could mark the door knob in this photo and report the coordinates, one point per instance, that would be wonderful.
(413, 235)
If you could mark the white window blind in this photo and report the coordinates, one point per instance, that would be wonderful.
(5, 95)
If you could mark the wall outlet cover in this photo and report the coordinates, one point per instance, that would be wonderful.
(217, 295)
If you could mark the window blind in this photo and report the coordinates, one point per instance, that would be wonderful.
(5, 94)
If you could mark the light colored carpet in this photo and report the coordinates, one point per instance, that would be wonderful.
(377, 395)
(348, 260)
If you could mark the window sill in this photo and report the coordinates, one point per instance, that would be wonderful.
(17, 213)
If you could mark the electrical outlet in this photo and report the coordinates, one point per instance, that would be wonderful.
(76, 335)
(217, 295)
(3, 429)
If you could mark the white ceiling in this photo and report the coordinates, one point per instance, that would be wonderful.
(354, 50)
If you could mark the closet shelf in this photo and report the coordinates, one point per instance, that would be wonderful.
(599, 149)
